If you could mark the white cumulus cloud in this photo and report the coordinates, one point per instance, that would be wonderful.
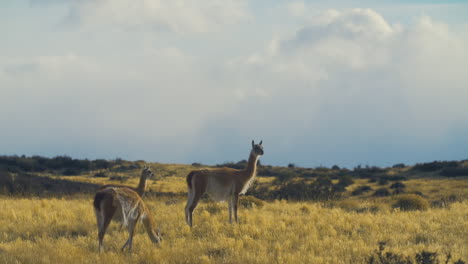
(351, 79)
(180, 16)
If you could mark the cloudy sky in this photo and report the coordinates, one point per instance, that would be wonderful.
(182, 81)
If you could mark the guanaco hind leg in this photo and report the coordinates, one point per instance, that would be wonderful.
(193, 205)
(104, 216)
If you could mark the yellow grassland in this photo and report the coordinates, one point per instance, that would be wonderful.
(64, 231)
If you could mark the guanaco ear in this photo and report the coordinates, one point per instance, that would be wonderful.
(261, 141)
(253, 143)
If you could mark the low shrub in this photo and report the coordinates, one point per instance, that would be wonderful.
(382, 192)
(408, 202)
(399, 166)
(100, 174)
(435, 165)
(423, 257)
(454, 172)
(382, 181)
(372, 180)
(361, 189)
(71, 171)
(322, 189)
(398, 191)
(445, 201)
(398, 185)
(345, 181)
(379, 257)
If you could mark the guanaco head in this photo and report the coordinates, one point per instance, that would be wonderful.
(257, 149)
(147, 172)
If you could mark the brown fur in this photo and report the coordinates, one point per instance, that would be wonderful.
(222, 183)
(110, 200)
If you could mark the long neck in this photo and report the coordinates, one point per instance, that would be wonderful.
(251, 168)
(148, 222)
(142, 185)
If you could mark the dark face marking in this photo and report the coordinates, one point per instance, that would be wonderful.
(147, 171)
(258, 149)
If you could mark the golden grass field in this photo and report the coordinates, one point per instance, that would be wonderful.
(63, 230)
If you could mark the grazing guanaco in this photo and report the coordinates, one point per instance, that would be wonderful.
(141, 188)
(130, 206)
(222, 184)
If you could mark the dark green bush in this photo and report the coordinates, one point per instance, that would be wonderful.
(423, 257)
(446, 201)
(398, 185)
(100, 174)
(435, 165)
(320, 189)
(345, 180)
(399, 166)
(372, 180)
(71, 171)
(383, 181)
(382, 192)
(454, 172)
(408, 202)
(426, 257)
(381, 257)
(361, 189)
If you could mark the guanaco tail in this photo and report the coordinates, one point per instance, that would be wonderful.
(222, 184)
(128, 204)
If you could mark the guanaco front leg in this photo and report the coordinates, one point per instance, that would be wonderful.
(230, 208)
(235, 202)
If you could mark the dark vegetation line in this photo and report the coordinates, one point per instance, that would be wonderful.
(66, 165)
(18, 176)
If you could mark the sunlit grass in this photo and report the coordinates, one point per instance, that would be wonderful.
(64, 231)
